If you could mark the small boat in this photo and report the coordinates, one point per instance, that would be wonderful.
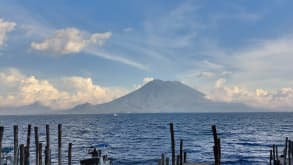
(115, 114)
(97, 158)
(6, 158)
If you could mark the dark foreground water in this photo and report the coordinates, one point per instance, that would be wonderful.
(141, 138)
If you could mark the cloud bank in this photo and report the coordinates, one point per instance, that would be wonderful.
(20, 89)
(279, 99)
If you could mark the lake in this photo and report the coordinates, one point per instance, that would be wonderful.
(141, 138)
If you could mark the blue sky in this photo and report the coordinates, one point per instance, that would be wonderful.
(95, 51)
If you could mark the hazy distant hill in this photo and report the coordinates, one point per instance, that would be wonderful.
(33, 109)
(161, 96)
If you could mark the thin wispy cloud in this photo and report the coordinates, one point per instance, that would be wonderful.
(5, 27)
(70, 40)
(116, 58)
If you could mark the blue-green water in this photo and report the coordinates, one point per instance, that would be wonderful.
(141, 138)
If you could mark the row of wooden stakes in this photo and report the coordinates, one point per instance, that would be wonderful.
(286, 158)
(21, 155)
(181, 158)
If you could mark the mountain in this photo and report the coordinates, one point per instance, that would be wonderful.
(32, 109)
(161, 96)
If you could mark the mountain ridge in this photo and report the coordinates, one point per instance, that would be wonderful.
(160, 96)
(156, 96)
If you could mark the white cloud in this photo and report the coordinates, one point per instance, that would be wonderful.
(70, 40)
(144, 81)
(64, 93)
(147, 79)
(120, 59)
(5, 27)
(273, 99)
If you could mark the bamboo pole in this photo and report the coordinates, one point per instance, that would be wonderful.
(172, 143)
(1, 138)
(59, 143)
(15, 142)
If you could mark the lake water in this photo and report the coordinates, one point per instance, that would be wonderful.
(141, 138)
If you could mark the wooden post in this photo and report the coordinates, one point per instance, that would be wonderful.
(48, 135)
(37, 144)
(28, 139)
(1, 138)
(217, 147)
(181, 152)
(47, 148)
(274, 155)
(69, 153)
(289, 152)
(214, 130)
(46, 155)
(185, 157)
(285, 151)
(40, 153)
(167, 161)
(59, 143)
(160, 162)
(172, 143)
(178, 160)
(277, 154)
(162, 159)
(291, 148)
(15, 142)
(271, 156)
(22, 155)
(219, 151)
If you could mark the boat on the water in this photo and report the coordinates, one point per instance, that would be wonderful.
(97, 157)
(6, 158)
